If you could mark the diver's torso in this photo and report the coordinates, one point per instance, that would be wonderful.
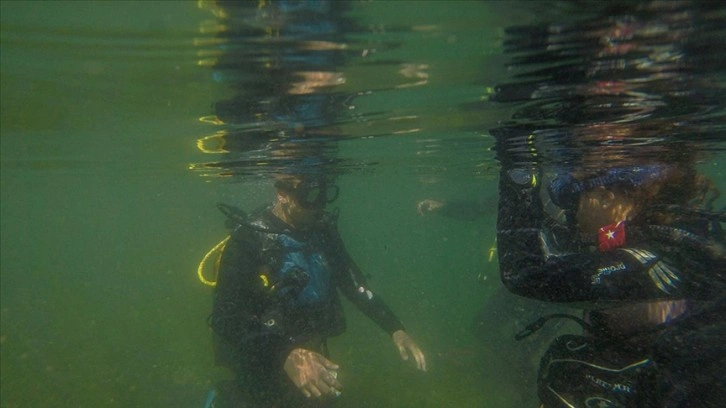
(298, 275)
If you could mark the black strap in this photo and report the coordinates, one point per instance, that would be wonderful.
(537, 324)
(233, 213)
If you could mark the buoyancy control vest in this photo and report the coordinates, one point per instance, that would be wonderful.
(296, 271)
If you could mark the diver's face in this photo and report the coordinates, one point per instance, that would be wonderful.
(296, 212)
(593, 211)
(299, 215)
(309, 194)
(599, 207)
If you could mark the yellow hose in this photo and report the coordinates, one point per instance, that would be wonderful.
(493, 250)
(200, 270)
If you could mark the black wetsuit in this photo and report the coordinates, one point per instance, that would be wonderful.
(673, 262)
(276, 291)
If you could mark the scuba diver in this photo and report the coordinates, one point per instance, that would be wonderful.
(276, 302)
(636, 247)
(601, 206)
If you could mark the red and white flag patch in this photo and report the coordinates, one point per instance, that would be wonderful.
(611, 236)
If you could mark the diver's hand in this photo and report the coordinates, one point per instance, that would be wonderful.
(407, 346)
(428, 205)
(313, 374)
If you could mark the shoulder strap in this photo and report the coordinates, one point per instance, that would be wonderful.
(234, 215)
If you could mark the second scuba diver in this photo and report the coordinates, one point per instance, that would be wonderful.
(640, 251)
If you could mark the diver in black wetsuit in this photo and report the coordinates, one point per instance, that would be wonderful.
(276, 301)
(647, 266)
(611, 116)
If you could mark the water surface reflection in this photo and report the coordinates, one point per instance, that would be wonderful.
(103, 224)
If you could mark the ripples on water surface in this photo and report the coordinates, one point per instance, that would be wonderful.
(350, 83)
(124, 122)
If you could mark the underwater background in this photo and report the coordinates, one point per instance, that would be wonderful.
(123, 123)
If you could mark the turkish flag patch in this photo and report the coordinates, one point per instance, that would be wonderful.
(611, 236)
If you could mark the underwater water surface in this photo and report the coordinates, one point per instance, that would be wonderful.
(124, 123)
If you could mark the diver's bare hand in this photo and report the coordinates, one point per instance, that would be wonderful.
(428, 205)
(406, 346)
(313, 374)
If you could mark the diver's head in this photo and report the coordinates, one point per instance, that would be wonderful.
(607, 196)
(301, 199)
(309, 192)
(566, 188)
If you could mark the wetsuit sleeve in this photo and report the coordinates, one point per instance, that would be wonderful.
(235, 313)
(352, 284)
(530, 266)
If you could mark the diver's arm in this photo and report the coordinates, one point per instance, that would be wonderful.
(519, 223)
(530, 267)
(353, 285)
(357, 291)
(591, 277)
(629, 273)
(349, 279)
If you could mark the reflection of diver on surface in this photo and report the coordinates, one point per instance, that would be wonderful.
(636, 71)
(276, 301)
(624, 230)
(281, 60)
(621, 64)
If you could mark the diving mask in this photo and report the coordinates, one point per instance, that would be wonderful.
(311, 194)
(565, 189)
